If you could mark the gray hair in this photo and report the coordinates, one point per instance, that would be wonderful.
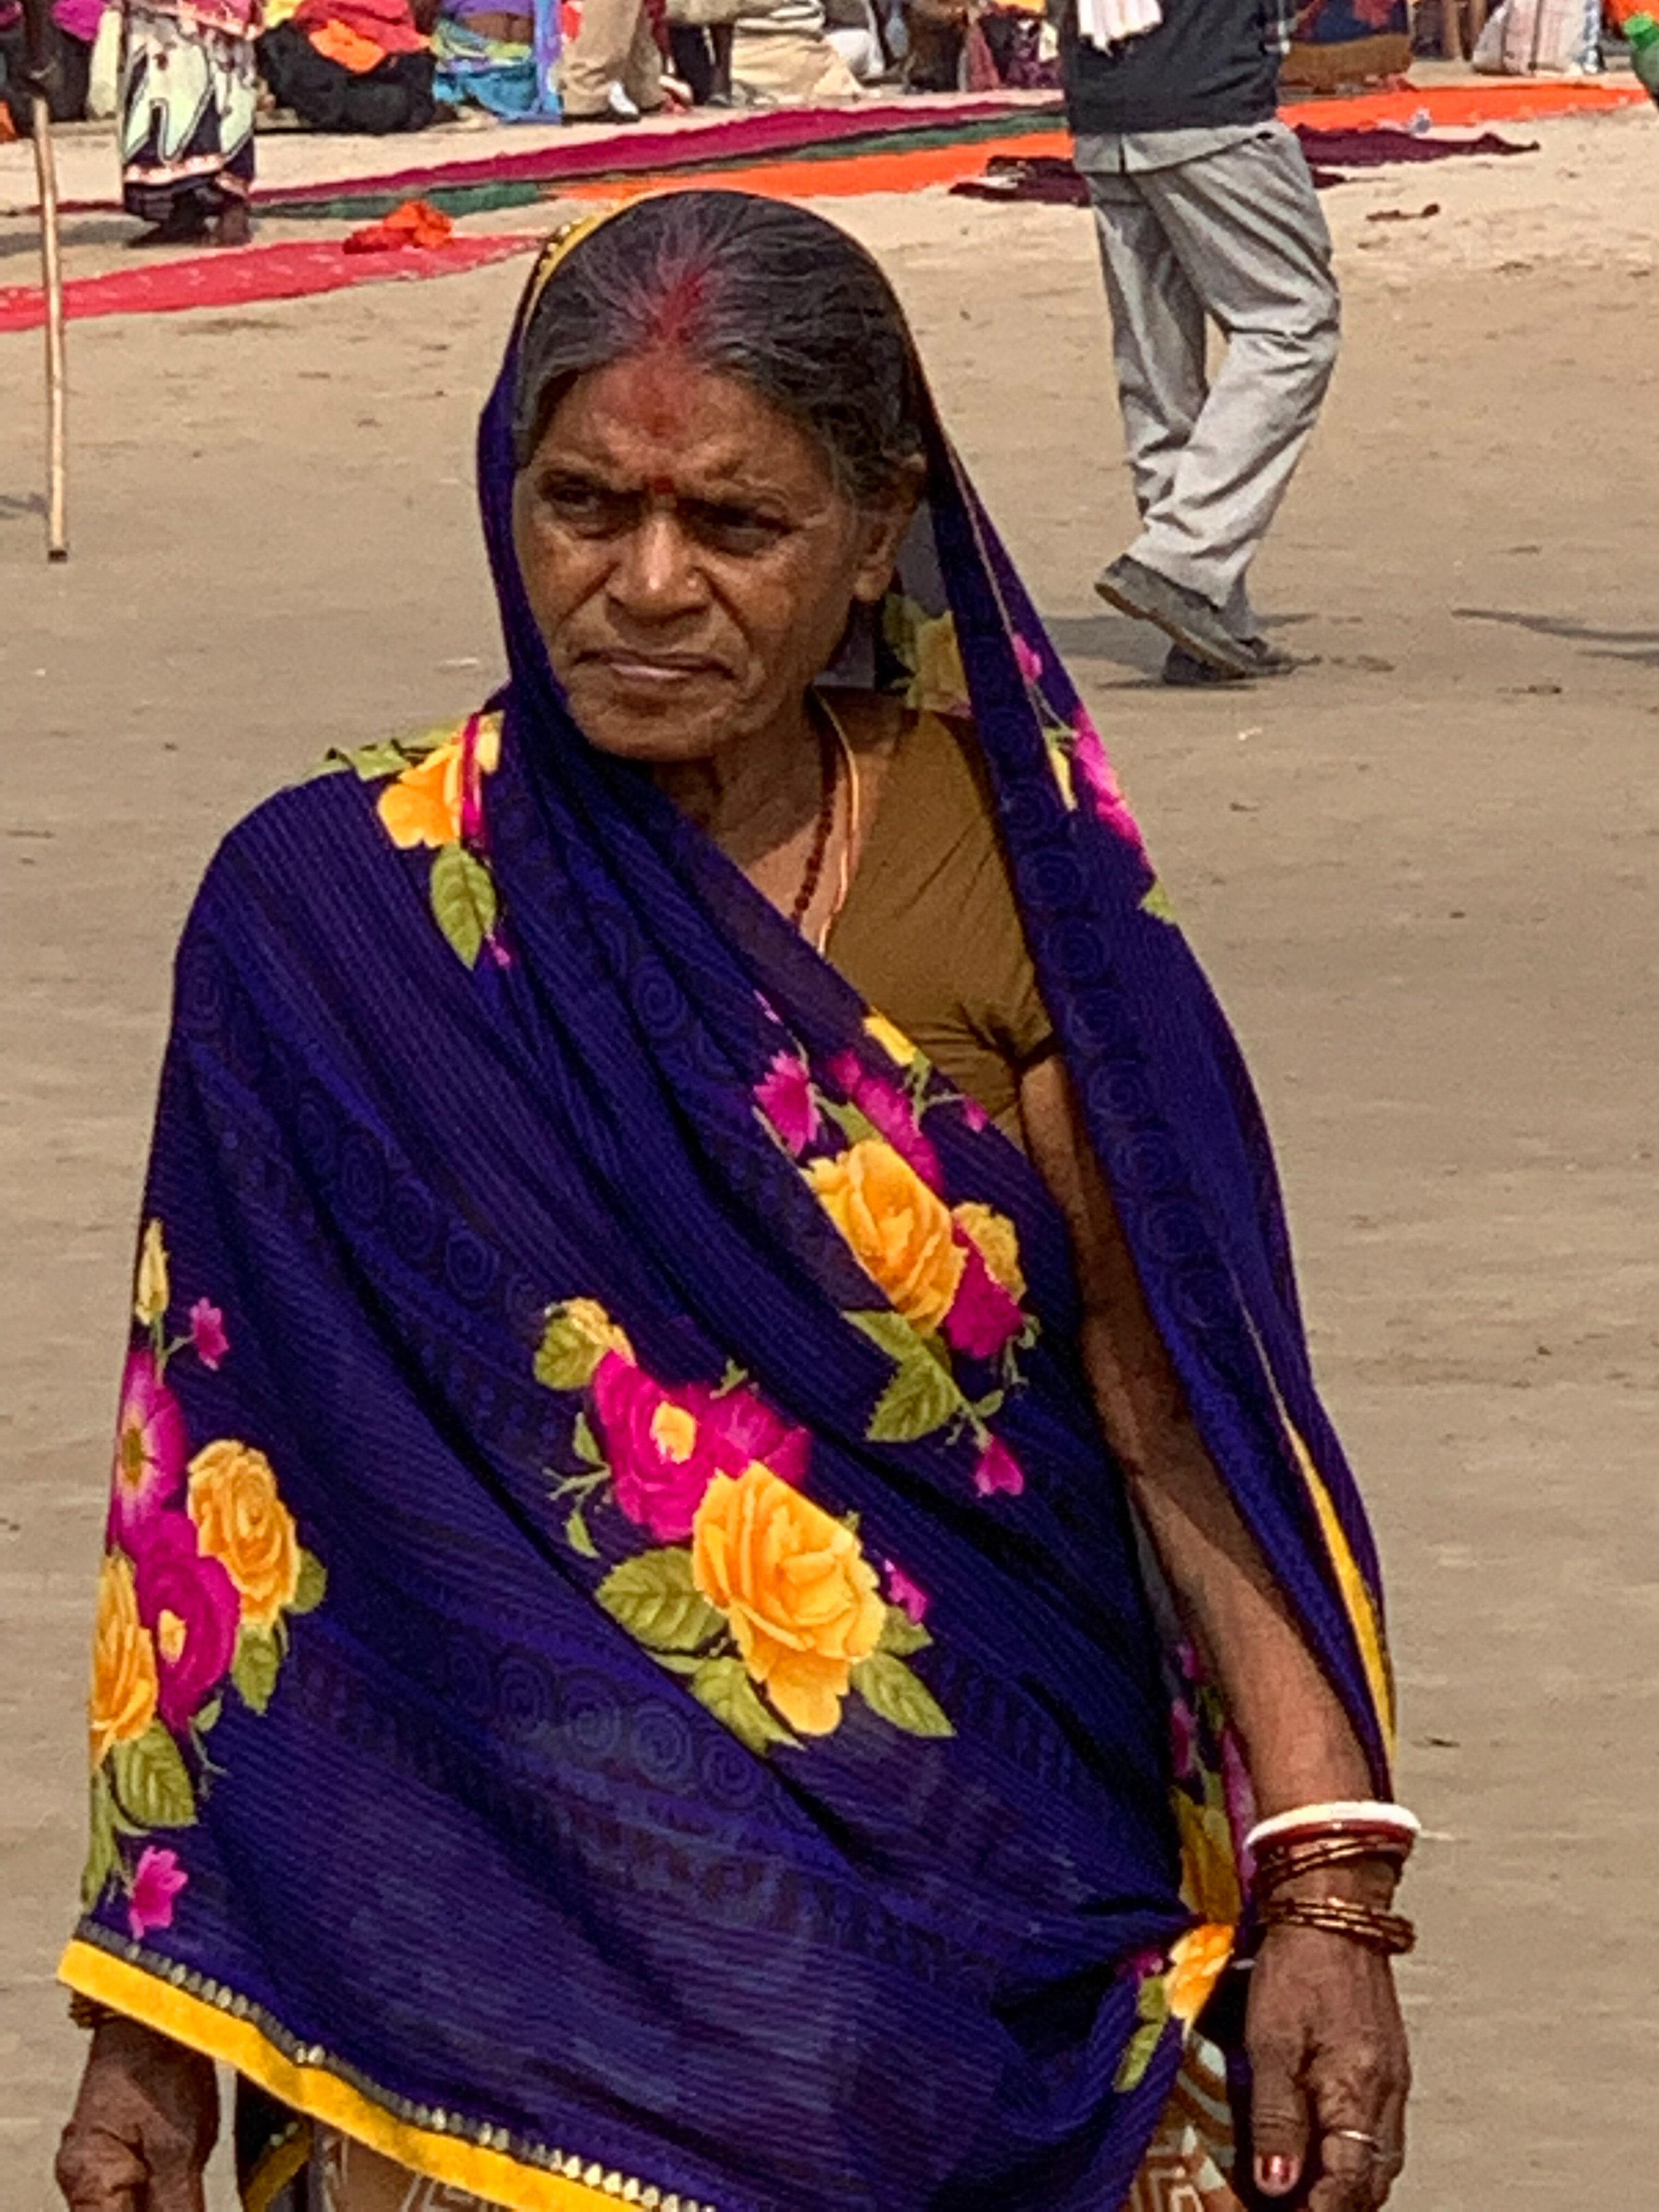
(754, 289)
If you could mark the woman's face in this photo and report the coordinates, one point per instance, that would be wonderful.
(688, 558)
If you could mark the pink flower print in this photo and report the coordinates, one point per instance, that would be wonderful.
(975, 1115)
(983, 1317)
(889, 1114)
(207, 1332)
(1183, 1738)
(665, 1447)
(157, 1882)
(998, 1471)
(150, 1450)
(1030, 660)
(1099, 779)
(785, 1097)
(1238, 1789)
(909, 1596)
(749, 1430)
(190, 1606)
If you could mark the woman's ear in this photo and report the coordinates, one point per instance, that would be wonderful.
(883, 527)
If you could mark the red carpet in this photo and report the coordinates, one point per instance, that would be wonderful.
(291, 271)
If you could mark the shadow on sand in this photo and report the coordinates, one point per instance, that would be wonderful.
(1641, 646)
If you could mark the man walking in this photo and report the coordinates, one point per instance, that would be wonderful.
(1206, 212)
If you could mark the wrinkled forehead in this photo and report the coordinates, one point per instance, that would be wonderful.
(656, 421)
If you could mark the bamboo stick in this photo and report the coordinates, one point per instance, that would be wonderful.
(52, 270)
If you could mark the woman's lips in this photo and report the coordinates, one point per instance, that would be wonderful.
(656, 672)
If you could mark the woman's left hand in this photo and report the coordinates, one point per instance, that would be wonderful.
(1330, 2071)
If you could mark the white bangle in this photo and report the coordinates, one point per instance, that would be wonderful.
(1347, 1813)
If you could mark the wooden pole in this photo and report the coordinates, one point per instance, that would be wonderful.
(52, 278)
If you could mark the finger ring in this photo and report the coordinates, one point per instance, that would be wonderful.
(1378, 2149)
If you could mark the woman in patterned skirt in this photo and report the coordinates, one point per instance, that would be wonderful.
(188, 90)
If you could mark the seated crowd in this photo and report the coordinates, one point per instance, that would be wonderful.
(380, 66)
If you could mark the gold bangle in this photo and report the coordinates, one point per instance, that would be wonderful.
(88, 2013)
(1283, 1862)
(1390, 1933)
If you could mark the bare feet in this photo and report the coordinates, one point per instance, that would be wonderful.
(234, 226)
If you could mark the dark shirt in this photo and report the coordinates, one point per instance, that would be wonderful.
(1209, 64)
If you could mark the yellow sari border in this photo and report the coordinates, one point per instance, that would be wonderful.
(277, 2169)
(204, 2023)
(1358, 1601)
(1361, 1609)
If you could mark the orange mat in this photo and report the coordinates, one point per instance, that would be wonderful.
(830, 179)
(1448, 107)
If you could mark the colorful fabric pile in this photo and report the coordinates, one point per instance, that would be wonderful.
(502, 60)
(351, 65)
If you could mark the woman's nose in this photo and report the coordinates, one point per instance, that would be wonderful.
(658, 576)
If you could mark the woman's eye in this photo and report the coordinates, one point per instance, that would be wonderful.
(587, 509)
(740, 531)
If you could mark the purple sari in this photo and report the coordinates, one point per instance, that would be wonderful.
(623, 1666)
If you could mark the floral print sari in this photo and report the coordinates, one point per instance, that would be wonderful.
(623, 1666)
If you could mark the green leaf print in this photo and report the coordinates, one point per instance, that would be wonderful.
(388, 756)
(103, 1860)
(255, 1668)
(724, 1686)
(890, 1330)
(585, 1443)
(152, 1782)
(463, 900)
(1158, 903)
(577, 1534)
(902, 1635)
(920, 1398)
(896, 1695)
(566, 1360)
(654, 1598)
(312, 1585)
(1142, 2052)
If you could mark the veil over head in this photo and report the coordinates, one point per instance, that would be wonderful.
(621, 1672)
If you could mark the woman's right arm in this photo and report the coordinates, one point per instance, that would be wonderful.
(143, 2125)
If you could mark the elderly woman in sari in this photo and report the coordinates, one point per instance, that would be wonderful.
(725, 1584)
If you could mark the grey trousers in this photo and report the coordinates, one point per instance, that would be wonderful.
(1236, 238)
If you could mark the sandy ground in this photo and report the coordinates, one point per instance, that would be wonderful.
(1423, 871)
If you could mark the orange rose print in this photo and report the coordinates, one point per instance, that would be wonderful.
(900, 1231)
(125, 1682)
(997, 1242)
(1196, 1964)
(795, 1588)
(242, 1523)
(422, 806)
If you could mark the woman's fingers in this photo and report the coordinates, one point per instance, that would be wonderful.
(1278, 2113)
(1358, 2096)
(176, 2183)
(144, 2124)
(1327, 2055)
(1393, 2133)
(1351, 2174)
(97, 2172)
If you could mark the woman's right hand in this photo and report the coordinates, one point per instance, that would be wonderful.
(143, 2125)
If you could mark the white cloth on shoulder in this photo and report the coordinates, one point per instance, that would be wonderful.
(1110, 22)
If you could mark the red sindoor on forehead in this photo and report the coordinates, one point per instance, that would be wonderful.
(656, 384)
(674, 314)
